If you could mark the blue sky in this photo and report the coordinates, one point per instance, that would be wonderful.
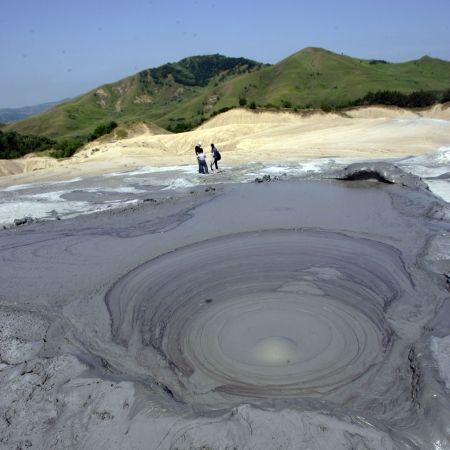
(53, 49)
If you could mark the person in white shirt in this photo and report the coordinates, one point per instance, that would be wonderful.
(201, 157)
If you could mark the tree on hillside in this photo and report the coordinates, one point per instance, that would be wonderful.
(102, 129)
(67, 147)
(417, 99)
(199, 70)
(445, 96)
(15, 145)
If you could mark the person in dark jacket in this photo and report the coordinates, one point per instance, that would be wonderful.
(215, 156)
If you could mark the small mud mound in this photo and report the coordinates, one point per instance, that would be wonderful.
(383, 172)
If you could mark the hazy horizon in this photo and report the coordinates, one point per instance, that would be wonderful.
(66, 49)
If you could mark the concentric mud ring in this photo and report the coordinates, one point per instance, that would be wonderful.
(264, 314)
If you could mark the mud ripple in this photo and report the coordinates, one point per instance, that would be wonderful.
(271, 314)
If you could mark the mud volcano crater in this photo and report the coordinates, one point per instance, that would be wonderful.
(271, 314)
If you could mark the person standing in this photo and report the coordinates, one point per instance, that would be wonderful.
(201, 158)
(215, 156)
(198, 149)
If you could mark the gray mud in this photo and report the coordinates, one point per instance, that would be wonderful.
(275, 315)
(384, 172)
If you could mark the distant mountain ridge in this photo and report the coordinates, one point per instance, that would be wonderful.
(178, 96)
(12, 114)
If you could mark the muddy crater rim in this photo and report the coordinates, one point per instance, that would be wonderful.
(279, 313)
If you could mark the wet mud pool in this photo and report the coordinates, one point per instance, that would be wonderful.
(293, 314)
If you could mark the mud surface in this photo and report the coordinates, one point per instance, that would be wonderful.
(293, 314)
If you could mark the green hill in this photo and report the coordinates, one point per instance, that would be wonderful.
(181, 95)
(313, 77)
(149, 95)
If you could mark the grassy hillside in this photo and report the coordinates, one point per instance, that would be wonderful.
(313, 77)
(180, 95)
(149, 95)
